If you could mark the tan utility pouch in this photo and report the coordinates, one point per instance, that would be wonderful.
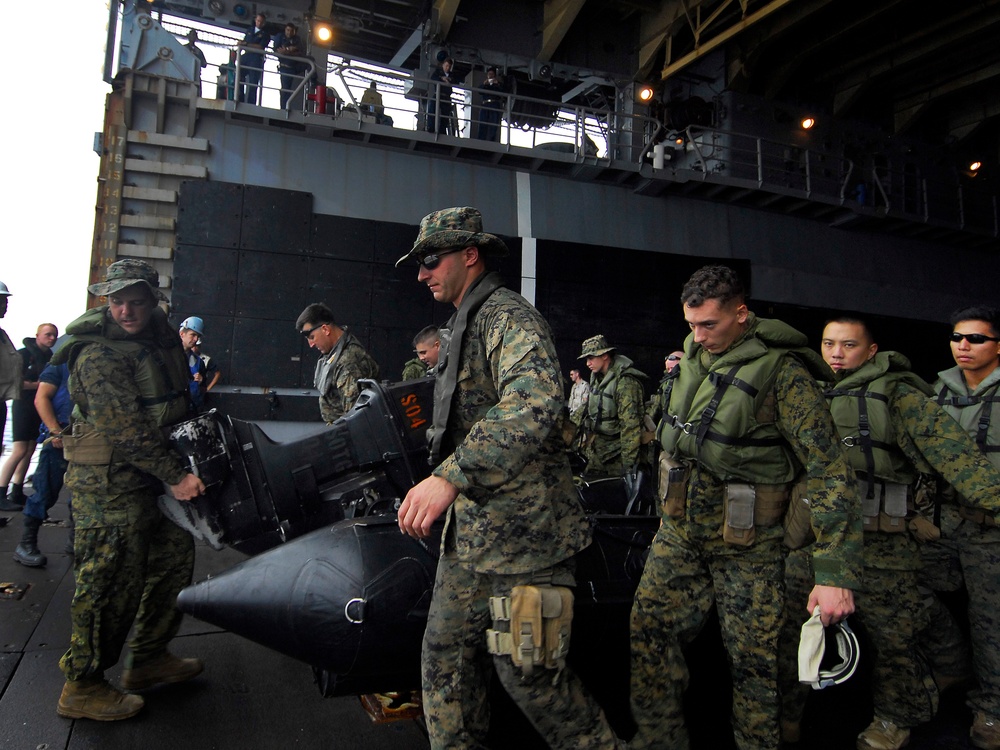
(540, 618)
(798, 519)
(747, 506)
(648, 434)
(672, 482)
(887, 511)
(738, 514)
(87, 447)
(976, 516)
(923, 530)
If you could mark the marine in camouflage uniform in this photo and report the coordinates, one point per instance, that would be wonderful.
(343, 363)
(968, 550)
(613, 416)
(414, 369)
(128, 379)
(745, 417)
(905, 435)
(504, 485)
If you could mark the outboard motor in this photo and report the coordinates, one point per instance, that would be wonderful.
(262, 492)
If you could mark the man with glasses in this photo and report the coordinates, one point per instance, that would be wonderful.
(343, 362)
(502, 481)
(969, 548)
(892, 434)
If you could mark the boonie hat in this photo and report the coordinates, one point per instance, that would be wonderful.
(460, 226)
(595, 346)
(819, 668)
(125, 273)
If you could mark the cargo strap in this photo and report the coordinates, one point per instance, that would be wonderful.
(864, 437)
(983, 428)
(540, 618)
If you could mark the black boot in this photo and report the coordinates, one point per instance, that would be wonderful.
(16, 494)
(5, 501)
(27, 552)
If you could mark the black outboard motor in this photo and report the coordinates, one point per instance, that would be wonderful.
(262, 492)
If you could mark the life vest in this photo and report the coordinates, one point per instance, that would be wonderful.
(974, 412)
(723, 416)
(602, 407)
(860, 407)
(161, 373)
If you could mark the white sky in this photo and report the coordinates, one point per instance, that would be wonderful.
(54, 104)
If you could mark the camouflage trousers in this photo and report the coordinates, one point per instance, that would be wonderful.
(681, 581)
(130, 566)
(889, 607)
(456, 670)
(966, 553)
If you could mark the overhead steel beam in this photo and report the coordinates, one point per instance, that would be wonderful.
(408, 47)
(557, 19)
(445, 10)
(907, 110)
(700, 27)
(655, 30)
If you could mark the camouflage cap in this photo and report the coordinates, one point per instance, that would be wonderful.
(460, 226)
(125, 273)
(595, 346)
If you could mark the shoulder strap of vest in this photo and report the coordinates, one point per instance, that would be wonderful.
(722, 381)
(987, 399)
(864, 437)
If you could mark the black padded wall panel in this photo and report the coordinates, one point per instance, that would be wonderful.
(276, 221)
(269, 353)
(205, 280)
(209, 214)
(345, 286)
(271, 286)
(344, 238)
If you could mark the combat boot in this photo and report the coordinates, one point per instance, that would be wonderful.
(97, 700)
(16, 494)
(27, 552)
(165, 668)
(882, 734)
(6, 503)
(985, 732)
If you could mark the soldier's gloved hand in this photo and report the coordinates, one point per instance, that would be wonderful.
(188, 488)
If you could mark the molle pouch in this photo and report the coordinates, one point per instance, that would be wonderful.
(87, 447)
(892, 519)
(870, 511)
(673, 479)
(737, 514)
(798, 519)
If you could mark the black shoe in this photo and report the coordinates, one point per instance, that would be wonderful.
(8, 506)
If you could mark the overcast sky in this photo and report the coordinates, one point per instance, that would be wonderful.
(54, 103)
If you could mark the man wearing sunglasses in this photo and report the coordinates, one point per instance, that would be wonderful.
(503, 484)
(892, 434)
(969, 547)
(343, 362)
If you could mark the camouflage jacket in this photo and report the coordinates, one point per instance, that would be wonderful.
(10, 369)
(104, 387)
(414, 369)
(614, 414)
(517, 510)
(802, 419)
(337, 376)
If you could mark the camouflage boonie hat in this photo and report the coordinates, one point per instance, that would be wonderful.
(125, 273)
(454, 227)
(595, 346)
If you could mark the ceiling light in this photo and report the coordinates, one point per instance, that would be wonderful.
(808, 122)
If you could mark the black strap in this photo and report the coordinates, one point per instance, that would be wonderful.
(864, 429)
(983, 428)
(721, 383)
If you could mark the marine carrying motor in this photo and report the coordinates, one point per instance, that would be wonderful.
(262, 491)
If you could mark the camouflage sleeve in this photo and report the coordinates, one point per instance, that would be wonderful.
(805, 421)
(355, 365)
(525, 373)
(630, 411)
(103, 379)
(934, 441)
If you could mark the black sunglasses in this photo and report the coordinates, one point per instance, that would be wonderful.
(972, 338)
(308, 332)
(432, 261)
(672, 358)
